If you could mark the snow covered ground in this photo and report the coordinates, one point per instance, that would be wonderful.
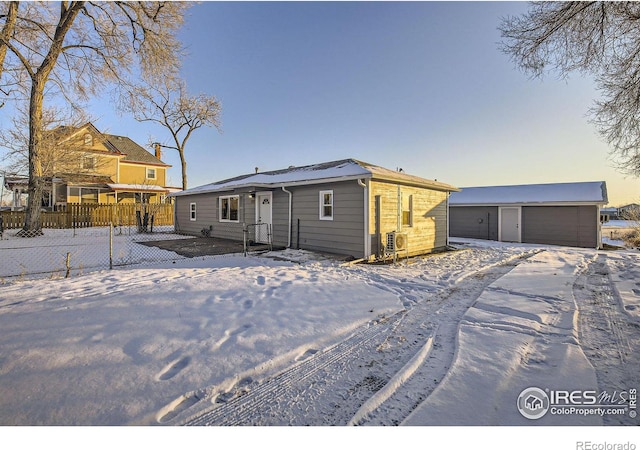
(293, 338)
(81, 249)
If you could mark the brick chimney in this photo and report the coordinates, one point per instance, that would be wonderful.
(158, 151)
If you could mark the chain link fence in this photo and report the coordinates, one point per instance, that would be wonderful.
(257, 237)
(67, 252)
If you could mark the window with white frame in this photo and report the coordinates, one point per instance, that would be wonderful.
(229, 208)
(326, 205)
(407, 210)
(151, 173)
(88, 140)
(192, 211)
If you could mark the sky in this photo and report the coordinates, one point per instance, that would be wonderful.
(420, 86)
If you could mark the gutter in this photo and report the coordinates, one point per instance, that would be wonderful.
(367, 238)
(290, 215)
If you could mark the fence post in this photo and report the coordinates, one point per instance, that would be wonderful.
(110, 245)
(68, 263)
(245, 230)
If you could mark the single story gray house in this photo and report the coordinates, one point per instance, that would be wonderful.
(346, 207)
(558, 214)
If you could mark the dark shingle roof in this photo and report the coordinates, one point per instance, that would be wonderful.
(133, 151)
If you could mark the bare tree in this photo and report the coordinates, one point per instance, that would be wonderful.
(60, 153)
(75, 48)
(15, 138)
(601, 39)
(169, 104)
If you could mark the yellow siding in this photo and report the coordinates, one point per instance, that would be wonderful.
(137, 174)
(429, 225)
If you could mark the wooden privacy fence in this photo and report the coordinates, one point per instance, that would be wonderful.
(94, 215)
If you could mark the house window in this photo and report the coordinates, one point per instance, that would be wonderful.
(151, 173)
(326, 205)
(88, 140)
(89, 162)
(229, 208)
(407, 211)
(192, 211)
(83, 195)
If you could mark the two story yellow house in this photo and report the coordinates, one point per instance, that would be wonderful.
(88, 166)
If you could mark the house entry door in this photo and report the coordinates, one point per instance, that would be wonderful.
(510, 224)
(263, 216)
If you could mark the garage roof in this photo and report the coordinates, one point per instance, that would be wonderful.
(593, 192)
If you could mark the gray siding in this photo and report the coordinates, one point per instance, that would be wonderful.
(474, 222)
(207, 215)
(280, 217)
(343, 235)
(575, 226)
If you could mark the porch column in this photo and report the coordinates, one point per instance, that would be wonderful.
(17, 193)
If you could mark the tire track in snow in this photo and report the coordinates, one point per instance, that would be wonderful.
(241, 407)
(608, 336)
(331, 386)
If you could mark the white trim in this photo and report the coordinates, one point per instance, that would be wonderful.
(155, 173)
(268, 194)
(322, 204)
(137, 187)
(367, 239)
(220, 198)
(599, 225)
(448, 216)
(519, 224)
(402, 211)
(193, 215)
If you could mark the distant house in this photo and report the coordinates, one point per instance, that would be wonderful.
(558, 214)
(87, 166)
(608, 214)
(629, 212)
(345, 207)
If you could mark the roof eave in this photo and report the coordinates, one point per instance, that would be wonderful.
(435, 185)
(563, 203)
(277, 185)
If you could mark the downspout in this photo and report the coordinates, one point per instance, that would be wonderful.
(448, 195)
(290, 214)
(367, 238)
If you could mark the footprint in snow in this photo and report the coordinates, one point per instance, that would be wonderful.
(260, 280)
(306, 355)
(176, 407)
(173, 368)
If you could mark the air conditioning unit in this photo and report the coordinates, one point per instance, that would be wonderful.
(396, 242)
